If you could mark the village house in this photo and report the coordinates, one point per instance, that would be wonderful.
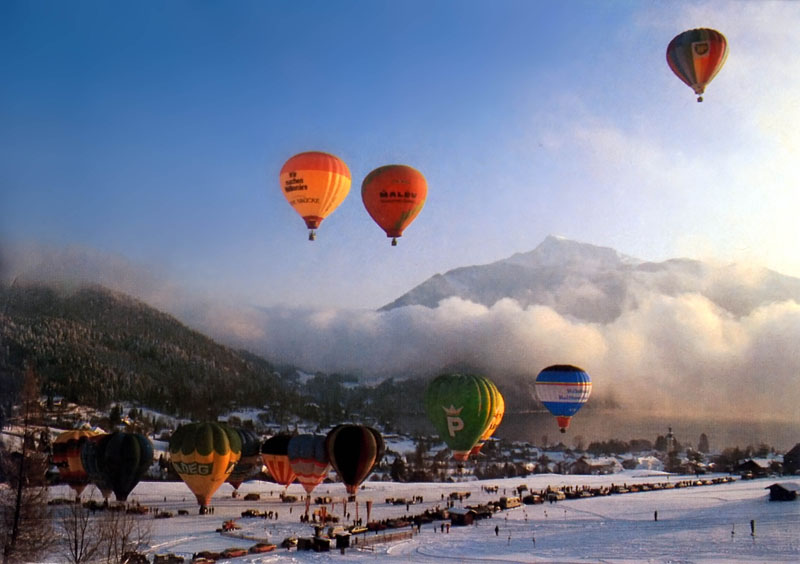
(786, 491)
(758, 467)
(791, 460)
(595, 466)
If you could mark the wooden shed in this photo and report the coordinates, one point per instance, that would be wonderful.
(460, 516)
(784, 491)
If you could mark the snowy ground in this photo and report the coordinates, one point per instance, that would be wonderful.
(708, 524)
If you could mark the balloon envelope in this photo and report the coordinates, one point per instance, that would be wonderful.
(314, 184)
(354, 450)
(497, 417)
(696, 56)
(274, 455)
(249, 463)
(203, 455)
(563, 389)
(67, 458)
(461, 407)
(117, 461)
(393, 196)
(90, 458)
(309, 459)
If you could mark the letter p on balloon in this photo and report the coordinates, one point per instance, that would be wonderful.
(454, 422)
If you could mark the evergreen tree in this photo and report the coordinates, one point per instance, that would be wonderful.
(115, 415)
(702, 443)
(398, 471)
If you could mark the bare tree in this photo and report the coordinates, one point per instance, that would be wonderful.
(80, 539)
(123, 533)
(25, 520)
(108, 537)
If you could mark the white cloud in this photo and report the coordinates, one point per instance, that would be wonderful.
(670, 349)
(671, 353)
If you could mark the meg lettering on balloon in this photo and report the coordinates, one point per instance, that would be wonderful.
(192, 468)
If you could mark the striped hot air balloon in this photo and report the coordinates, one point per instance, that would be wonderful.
(497, 417)
(696, 56)
(203, 455)
(563, 389)
(461, 407)
(309, 459)
(67, 458)
(249, 463)
(274, 454)
(314, 184)
(117, 461)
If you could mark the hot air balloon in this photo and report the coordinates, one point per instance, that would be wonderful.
(354, 450)
(315, 184)
(563, 389)
(117, 461)
(274, 455)
(309, 461)
(394, 196)
(90, 458)
(696, 56)
(203, 455)
(67, 458)
(250, 462)
(497, 417)
(461, 407)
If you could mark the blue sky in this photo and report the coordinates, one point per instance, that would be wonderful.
(141, 144)
(154, 132)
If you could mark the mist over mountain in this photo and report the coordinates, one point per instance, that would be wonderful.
(681, 336)
(597, 284)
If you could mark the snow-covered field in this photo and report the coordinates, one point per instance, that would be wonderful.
(708, 524)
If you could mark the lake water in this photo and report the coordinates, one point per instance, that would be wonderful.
(599, 425)
(606, 425)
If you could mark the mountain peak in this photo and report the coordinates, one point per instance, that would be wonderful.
(594, 283)
(533, 277)
(557, 251)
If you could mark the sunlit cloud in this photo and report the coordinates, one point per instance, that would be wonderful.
(692, 338)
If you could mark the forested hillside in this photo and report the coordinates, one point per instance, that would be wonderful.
(93, 346)
(96, 347)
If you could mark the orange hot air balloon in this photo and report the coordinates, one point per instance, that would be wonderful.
(203, 455)
(274, 454)
(67, 458)
(394, 196)
(315, 184)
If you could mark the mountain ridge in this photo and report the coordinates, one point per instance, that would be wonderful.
(94, 345)
(596, 284)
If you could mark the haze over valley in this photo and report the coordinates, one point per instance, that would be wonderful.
(680, 339)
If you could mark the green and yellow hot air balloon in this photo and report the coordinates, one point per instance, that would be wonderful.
(461, 407)
(203, 455)
(497, 417)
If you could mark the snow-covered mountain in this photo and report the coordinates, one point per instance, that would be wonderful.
(597, 284)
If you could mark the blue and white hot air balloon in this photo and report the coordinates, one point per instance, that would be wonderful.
(563, 389)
